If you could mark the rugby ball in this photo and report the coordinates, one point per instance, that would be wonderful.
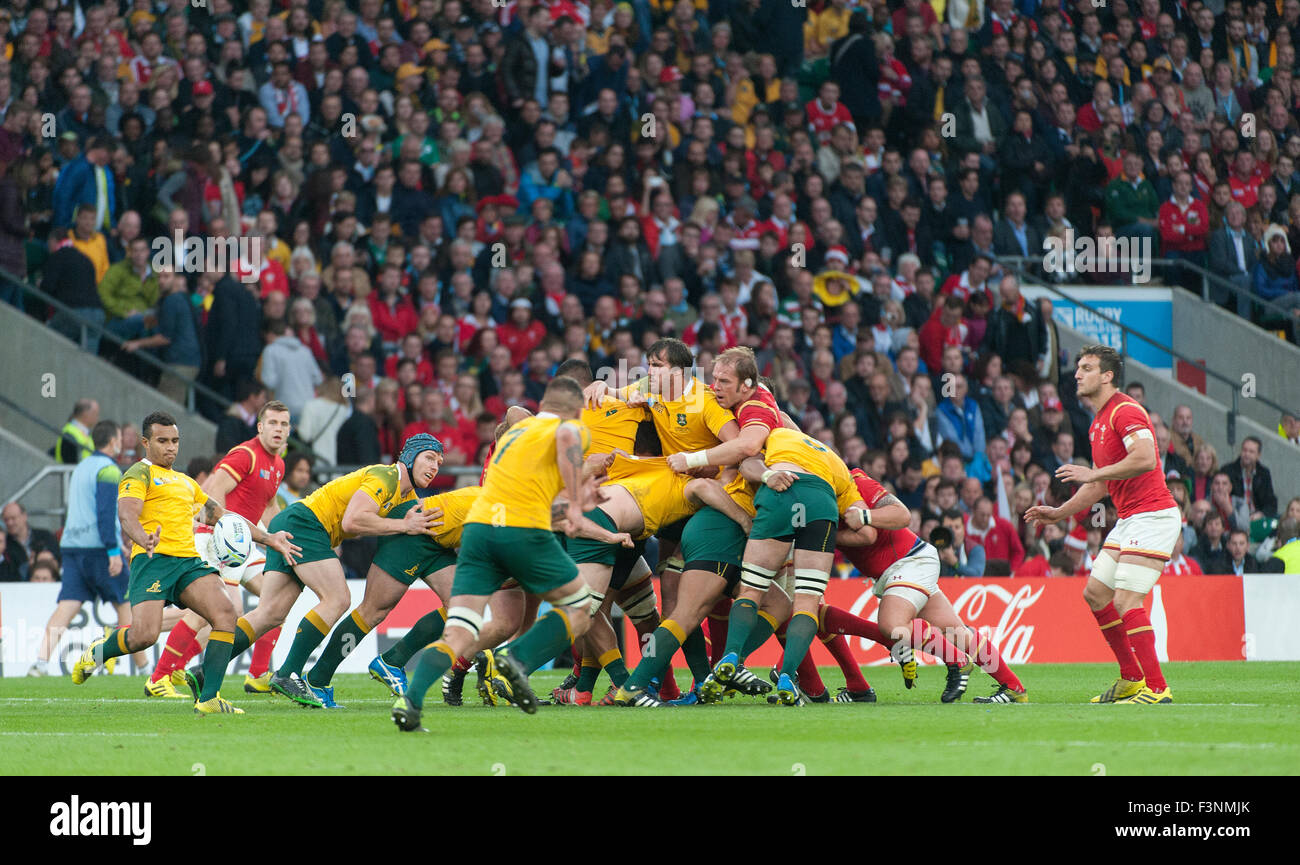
(232, 541)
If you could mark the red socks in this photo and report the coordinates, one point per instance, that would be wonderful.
(810, 681)
(989, 659)
(837, 621)
(1115, 630)
(262, 649)
(933, 642)
(174, 654)
(719, 616)
(1143, 640)
(839, 649)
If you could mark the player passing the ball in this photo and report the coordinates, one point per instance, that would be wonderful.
(1126, 466)
(156, 506)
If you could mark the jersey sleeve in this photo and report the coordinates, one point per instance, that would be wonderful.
(135, 483)
(758, 412)
(715, 416)
(238, 463)
(200, 497)
(380, 483)
(869, 488)
(1132, 425)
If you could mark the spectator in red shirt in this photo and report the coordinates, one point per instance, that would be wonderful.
(944, 328)
(521, 333)
(995, 534)
(1245, 179)
(412, 347)
(1184, 222)
(512, 393)
(1090, 116)
(826, 112)
(393, 315)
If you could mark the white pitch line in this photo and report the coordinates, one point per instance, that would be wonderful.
(1077, 744)
(99, 733)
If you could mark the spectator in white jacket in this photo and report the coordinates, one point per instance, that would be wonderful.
(289, 369)
(321, 418)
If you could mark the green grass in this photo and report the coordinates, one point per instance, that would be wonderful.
(1230, 719)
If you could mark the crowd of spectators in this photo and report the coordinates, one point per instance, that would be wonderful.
(451, 197)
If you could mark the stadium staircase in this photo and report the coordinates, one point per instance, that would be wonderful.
(1213, 350)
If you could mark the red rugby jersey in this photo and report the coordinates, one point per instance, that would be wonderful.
(257, 475)
(760, 409)
(891, 544)
(1122, 420)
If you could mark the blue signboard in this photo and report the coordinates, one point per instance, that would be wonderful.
(1148, 311)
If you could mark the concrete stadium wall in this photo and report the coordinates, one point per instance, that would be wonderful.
(1210, 420)
(19, 461)
(29, 351)
(1231, 345)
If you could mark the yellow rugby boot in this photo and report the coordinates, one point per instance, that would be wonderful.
(1123, 689)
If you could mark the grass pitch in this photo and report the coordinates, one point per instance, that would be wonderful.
(1230, 719)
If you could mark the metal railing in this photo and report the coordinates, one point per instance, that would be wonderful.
(1018, 262)
(193, 387)
(1244, 297)
(63, 473)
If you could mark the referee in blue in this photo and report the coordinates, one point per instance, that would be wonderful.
(92, 561)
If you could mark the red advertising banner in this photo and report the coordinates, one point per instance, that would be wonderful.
(1046, 620)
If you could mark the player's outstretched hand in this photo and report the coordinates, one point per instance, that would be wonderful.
(1072, 474)
(1042, 514)
(594, 394)
(281, 542)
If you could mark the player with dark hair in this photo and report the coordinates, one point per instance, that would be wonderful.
(156, 506)
(245, 482)
(1126, 466)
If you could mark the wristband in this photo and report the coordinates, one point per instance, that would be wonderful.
(697, 459)
(767, 474)
(116, 551)
(866, 515)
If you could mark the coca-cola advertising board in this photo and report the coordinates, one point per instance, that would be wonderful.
(1045, 620)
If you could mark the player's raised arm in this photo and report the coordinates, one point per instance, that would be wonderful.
(362, 518)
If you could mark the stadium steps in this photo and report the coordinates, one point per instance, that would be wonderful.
(46, 373)
(1211, 415)
(20, 461)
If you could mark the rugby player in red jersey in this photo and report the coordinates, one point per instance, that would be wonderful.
(906, 573)
(1126, 467)
(244, 482)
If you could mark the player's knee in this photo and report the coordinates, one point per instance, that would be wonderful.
(141, 637)
(1094, 597)
(580, 620)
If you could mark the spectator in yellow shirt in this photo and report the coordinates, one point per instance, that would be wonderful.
(820, 30)
(88, 241)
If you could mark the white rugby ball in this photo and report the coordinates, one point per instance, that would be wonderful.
(232, 541)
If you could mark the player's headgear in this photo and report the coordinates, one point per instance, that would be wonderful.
(416, 445)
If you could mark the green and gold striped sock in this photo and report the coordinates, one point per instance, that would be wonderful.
(422, 633)
(311, 630)
(544, 641)
(346, 637)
